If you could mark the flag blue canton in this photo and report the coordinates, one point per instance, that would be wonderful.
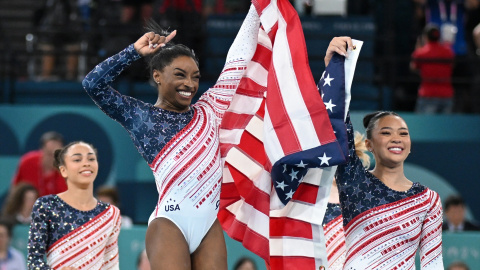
(288, 172)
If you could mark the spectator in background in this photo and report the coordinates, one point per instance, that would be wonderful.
(72, 225)
(110, 195)
(36, 167)
(458, 266)
(10, 258)
(245, 263)
(59, 25)
(476, 69)
(136, 11)
(434, 61)
(454, 212)
(19, 204)
(142, 261)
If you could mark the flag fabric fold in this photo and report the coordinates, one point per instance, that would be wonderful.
(280, 143)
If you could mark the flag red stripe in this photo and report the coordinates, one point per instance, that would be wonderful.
(285, 226)
(235, 120)
(250, 193)
(279, 117)
(308, 89)
(238, 231)
(263, 56)
(306, 193)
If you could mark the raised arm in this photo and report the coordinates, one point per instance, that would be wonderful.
(38, 238)
(239, 55)
(98, 82)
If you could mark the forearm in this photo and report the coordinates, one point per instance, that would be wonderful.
(97, 82)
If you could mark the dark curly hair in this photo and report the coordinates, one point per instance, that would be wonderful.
(167, 54)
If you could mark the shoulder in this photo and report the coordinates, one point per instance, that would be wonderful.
(31, 156)
(46, 200)
(15, 253)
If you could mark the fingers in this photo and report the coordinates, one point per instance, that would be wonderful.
(155, 40)
(340, 45)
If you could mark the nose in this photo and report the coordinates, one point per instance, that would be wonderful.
(188, 82)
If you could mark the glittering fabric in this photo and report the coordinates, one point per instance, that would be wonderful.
(360, 190)
(334, 236)
(182, 149)
(384, 228)
(53, 219)
(149, 127)
(333, 210)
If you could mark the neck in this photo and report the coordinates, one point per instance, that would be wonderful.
(334, 197)
(392, 177)
(79, 198)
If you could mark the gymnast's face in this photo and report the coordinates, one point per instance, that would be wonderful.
(390, 142)
(177, 84)
(81, 165)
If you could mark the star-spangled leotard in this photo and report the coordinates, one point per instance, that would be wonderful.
(52, 220)
(182, 149)
(334, 236)
(384, 227)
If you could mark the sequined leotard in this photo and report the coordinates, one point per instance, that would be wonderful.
(334, 236)
(383, 227)
(55, 222)
(182, 149)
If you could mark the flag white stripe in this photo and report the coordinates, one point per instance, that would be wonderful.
(244, 104)
(248, 215)
(290, 91)
(291, 247)
(257, 73)
(272, 146)
(255, 127)
(260, 178)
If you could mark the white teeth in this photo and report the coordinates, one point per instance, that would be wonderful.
(86, 172)
(183, 93)
(395, 149)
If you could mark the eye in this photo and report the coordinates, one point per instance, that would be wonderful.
(385, 133)
(179, 75)
(92, 159)
(404, 133)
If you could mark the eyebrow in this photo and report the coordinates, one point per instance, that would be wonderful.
(197, 71)
(402, 128)
(78, 154)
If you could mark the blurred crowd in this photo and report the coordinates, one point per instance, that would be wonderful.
(104, 27)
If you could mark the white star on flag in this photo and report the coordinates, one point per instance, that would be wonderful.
(293, 174)
(329, 105)
(324, 159)
(281, 185)
(289, 194)
(301, 164)
(328, 80)
(284, 168)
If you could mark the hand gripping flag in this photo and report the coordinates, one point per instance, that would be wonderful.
(273, 194)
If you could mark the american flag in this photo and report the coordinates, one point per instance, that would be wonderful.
(275, 137)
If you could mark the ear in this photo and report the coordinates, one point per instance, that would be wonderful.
(157, 76)
(63, 171)
(368, 145)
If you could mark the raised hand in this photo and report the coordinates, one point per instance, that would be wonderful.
(150, 42)
(338, 45)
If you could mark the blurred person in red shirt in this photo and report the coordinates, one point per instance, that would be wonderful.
(36, 167)
(434, 61)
